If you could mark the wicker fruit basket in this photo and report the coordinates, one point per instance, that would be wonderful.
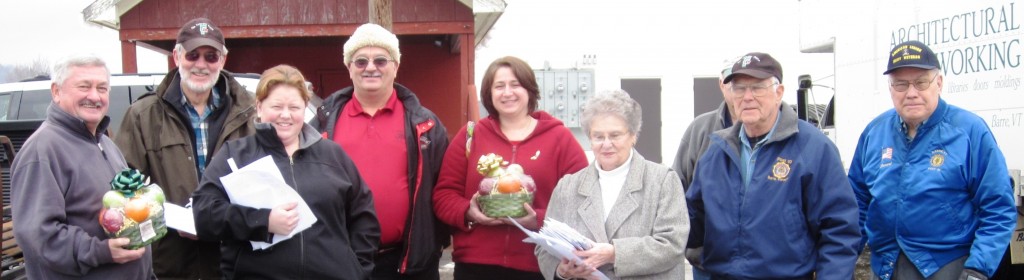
(503, 189)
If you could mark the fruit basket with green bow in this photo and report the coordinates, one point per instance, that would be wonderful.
(133, 209)
(504, 188)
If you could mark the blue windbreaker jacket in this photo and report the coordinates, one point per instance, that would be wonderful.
(796, 217)
(943, 195)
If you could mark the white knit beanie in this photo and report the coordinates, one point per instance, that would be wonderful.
(372, 35)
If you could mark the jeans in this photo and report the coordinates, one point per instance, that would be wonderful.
(699, 274)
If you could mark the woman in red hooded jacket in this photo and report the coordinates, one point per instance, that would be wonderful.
(492, 248)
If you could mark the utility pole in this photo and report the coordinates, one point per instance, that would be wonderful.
(380, 13)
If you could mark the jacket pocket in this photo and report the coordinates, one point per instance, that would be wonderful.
(955, 221)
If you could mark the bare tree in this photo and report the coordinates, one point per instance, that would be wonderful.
(38, 67)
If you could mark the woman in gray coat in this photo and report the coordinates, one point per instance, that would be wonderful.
(633, 209)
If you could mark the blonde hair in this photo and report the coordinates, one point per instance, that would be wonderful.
(281, 75)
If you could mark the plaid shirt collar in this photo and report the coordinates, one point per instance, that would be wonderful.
(210, 106)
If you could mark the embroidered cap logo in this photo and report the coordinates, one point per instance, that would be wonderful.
(203, 28)
(746, 60)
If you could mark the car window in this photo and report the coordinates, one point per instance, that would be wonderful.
(139, 91)
(119, 101)
(5, 105)
(33, 104)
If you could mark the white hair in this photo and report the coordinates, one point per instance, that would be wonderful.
(62, 69)
(613, 103)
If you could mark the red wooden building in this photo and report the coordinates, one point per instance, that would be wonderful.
(437, 40)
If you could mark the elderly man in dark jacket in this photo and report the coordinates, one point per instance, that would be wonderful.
(769, 199)
(398, 145)
(171, 135)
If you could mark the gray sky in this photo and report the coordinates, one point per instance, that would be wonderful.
(536, 30)
(51, 29)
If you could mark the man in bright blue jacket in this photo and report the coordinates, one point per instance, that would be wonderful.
(932, 186)
(770, 199)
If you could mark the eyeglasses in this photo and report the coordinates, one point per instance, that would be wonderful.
(920, 85)
(613, 137)
(756, 90)
(380, 62)
(210, 57)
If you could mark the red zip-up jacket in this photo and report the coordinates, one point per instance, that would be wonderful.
(547, 154)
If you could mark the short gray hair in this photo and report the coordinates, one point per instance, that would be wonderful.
(62, 69)
(614, 103)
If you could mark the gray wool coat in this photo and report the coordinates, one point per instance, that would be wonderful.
(648, 224)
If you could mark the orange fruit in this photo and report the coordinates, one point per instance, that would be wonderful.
(137, 209)
(509, 184)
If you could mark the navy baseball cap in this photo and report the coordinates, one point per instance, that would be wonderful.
(911, 54)
(757, 65)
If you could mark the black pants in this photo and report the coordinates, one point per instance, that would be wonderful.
(472, 271)
(385, 267)
(905, 270)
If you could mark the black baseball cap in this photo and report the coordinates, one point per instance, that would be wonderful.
(200, 32)
(911, 54)
(757, 65)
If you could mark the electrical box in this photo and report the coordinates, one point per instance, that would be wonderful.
(563, 92)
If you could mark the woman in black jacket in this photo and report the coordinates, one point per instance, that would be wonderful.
(340, 245)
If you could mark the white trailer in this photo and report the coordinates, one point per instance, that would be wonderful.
(979, 44)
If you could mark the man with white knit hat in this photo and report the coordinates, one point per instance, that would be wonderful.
(397, 144)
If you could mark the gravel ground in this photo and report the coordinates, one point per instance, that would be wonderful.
(447, 267)
(863, 267)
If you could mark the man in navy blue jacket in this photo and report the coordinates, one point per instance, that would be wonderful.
(930, 180)
(769, 198)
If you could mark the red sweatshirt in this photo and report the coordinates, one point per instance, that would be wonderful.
(547, 154)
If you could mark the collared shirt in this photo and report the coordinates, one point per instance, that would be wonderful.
(200, 125)
(377, 145)
(747, 153)
(906, 129)
(612, 182)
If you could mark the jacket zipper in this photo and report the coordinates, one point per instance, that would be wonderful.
(507, 229)
(101, 149)
(513, 154)
(404, 265)
(302, 241)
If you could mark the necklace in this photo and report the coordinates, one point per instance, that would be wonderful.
(519, 133)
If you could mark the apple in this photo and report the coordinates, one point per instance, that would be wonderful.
(515, 169)
(113, 199)
(155, 193)
(111, 220)
(487, 184)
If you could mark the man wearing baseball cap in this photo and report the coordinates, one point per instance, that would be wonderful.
(934, 195)
(172, 133)
(769, 198)
(397, 144)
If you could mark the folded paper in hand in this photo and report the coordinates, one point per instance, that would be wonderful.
(179, 218)
(261, 185)
(559, 240)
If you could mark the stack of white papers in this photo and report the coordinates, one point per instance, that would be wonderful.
(179, 218)
(560, 240)
(261, 185)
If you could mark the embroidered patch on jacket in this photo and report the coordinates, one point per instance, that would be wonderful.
(780, 171)
(938, 158)
(886, 157)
